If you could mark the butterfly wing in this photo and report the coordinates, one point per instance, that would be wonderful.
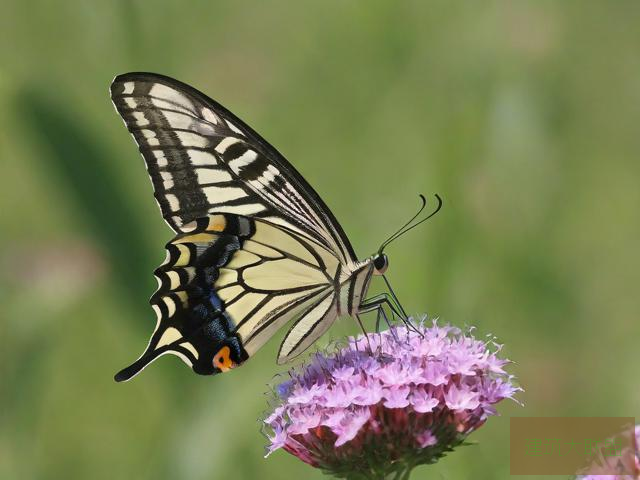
(256, 246)
(203, 159)
(227, 285)
(309, 327)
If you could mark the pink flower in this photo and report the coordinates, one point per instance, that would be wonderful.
(407, 401)
(369, 393)
(306, 395)
(461, 398)
(435, 374)
(351, 424)
(424, 400)
(426, 439)
(397, 397)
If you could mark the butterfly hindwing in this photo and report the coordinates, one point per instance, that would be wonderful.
(203, 159)
(227, 285)
(309, 327)
(191, 321)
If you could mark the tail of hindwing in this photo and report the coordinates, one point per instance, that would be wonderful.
(191, 319)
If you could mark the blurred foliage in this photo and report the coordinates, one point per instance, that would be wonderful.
(523, 116)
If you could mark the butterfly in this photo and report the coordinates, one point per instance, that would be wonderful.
(255, 247)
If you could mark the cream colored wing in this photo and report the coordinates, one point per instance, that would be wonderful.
(262, 295)
(314, 321)
(228, 284)
(202, 159)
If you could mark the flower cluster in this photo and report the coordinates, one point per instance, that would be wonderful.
(390, 401)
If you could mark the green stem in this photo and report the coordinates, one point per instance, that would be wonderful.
(407, 472)
(403, 473)
(396, 475)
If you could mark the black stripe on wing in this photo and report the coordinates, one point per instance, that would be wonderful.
(202, 158)
(222, 283)
(191, 318)
(177, 144)
(309, 327)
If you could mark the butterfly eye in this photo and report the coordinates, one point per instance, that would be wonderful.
(222, 359)
(380, 263)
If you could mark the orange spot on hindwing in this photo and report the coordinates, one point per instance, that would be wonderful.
(222, 359)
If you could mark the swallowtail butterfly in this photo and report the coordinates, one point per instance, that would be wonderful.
(255, 246)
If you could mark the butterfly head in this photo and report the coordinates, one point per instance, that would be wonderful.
(380, 263)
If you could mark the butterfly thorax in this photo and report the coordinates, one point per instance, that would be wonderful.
(353, 284)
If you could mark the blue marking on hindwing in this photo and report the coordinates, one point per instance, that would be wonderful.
(215, 300)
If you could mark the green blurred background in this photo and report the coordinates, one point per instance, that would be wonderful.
(523, 115)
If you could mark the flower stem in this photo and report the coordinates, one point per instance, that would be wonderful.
(410, 467)
(403, 473)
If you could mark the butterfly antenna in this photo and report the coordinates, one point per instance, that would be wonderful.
(407, 226)
(424, 204)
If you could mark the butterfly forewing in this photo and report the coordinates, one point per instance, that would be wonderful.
(203, 159)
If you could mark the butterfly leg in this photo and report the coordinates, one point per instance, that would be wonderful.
(357, 315)
(378, 301)
(383, 314)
